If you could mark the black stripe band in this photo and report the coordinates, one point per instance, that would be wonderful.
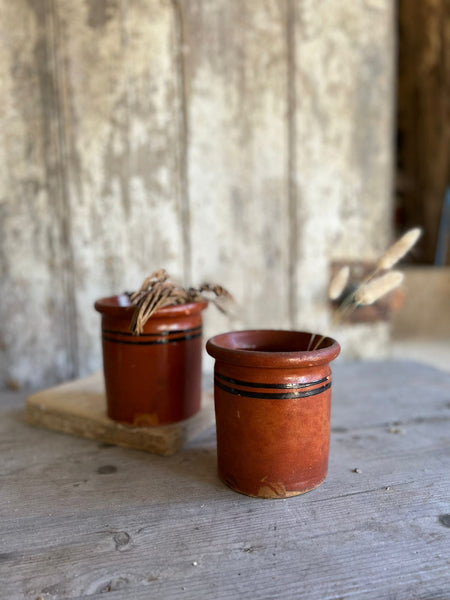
(159, 334)
(171, 340)
(267, 396)
(277, 386)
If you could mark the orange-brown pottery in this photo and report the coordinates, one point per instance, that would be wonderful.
(153, 378)
(273, 403)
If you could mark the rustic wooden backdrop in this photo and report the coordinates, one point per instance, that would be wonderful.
(247, 142)
(423, 98)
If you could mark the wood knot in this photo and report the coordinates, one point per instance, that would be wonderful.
(444, 520)
(106, 469)
(121, 539)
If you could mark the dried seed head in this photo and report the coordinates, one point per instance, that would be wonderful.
(399, 249)
(375, 289)
(338, 283)
(157, 291)
(215, 289)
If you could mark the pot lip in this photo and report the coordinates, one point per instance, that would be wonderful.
(225, 347)
(119, 307)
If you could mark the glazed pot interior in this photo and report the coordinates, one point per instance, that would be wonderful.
(271, 341)
(268, 347)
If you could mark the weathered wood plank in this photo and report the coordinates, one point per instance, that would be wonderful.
(223, 140)
(423, 98)
(91, 188)
(343, 121)
(72, 529)
(120, 92)
(271, 563)
(80, 408)
(35, 255)
(389, 523)
(236, 97)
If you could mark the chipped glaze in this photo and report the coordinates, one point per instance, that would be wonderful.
(153, 378)
(273, 403)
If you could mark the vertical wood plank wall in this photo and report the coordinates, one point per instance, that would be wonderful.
(423, 99)
(244, 142)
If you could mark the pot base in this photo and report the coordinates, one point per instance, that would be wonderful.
(271, 491)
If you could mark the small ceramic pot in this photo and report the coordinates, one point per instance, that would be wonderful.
(273, 402)
(153, 378)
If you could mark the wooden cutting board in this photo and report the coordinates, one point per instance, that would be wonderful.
(79, 408)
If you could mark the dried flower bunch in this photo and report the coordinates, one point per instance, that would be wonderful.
(158, 291)
(379, 283)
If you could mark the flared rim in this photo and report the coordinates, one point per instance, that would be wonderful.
(272, 348)
(120, 307)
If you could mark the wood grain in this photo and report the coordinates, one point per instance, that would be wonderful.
(79, 519)
(35, 257)
(120, 89)
(236, 82)
(95, 208)
(423, 98)
(343, 92)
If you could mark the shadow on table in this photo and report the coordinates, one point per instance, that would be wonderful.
(196, 462)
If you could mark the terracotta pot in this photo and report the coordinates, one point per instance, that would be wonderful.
(153, 378)
(273, 403)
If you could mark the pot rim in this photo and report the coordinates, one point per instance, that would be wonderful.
(225, 347)
(119, 307)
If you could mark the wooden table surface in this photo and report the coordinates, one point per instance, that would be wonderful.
(80, 518)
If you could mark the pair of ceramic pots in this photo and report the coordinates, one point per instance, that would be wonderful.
(272, 395)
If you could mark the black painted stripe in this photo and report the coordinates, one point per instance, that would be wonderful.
(159, 334)
(277, 386)
(267, 396)
(167, 340)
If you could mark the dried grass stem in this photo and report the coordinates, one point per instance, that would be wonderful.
(157, 291)
(338, 283)
(398, 250)
(375, 286)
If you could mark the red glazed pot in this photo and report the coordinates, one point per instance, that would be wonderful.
(273, 404)
(153, 378)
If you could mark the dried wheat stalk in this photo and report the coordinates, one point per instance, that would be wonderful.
(157, 291)
(373, 288)
(338, 283)
(377, 288)
(398, 250)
